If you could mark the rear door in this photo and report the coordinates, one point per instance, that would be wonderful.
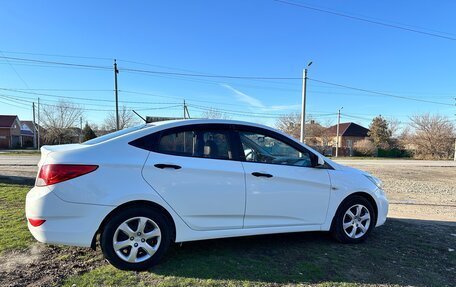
(194, 169)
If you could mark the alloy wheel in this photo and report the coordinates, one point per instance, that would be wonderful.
(356, 221)
(136, 239)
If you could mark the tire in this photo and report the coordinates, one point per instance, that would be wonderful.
(136, 238)
(354, 220)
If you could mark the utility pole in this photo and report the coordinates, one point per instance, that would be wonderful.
(303, 106)
(116, 71)
(34, 126)
(337, 132)
(38, 147)
(185, 115)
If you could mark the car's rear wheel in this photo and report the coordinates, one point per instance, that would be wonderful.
(136, 238)
(354, 220)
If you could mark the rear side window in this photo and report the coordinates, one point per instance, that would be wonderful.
(196, 143)
(114, 134)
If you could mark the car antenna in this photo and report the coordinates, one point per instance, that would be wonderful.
(140, 116)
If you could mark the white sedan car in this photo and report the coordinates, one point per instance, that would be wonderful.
(142, 188)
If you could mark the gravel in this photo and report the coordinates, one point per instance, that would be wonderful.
(417, 191)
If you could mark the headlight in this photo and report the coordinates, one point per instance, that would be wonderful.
(375, 181)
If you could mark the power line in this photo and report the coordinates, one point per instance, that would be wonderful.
(210, 75)
(151, 71)
(381, 93)
(14, 105)
(85, 99)
(15, 71)
(340, 14)
(63, 90)
(257, 113)
(57, 63)
(234, 77)
(58, 55)
(21, 100)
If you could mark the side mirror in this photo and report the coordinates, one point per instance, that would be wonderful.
(321, 161)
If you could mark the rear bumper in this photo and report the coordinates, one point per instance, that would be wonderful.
(66, 223)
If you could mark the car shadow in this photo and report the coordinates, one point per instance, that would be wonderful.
(21, 180)
(403, 252)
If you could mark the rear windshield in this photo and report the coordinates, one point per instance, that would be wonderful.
(114, 135)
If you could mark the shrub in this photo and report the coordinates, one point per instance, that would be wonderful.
(394, 152)
(364, 148)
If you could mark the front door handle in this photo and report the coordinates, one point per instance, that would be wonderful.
(163, 165)
(258, 174)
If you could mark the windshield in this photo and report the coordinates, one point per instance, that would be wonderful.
(113, 135)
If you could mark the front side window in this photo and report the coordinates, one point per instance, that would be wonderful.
(264, 149)
(196, 143)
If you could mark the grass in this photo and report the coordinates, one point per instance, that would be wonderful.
(13, 227)
(20, 152)
(398, 254)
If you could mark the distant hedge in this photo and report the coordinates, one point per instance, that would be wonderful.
(394, 152)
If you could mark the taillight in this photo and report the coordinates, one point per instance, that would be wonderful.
(55, 173)
(36, 222)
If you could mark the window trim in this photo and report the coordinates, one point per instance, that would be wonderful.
(150, 142)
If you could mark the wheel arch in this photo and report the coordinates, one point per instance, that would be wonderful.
(134, 203)
(363, 194)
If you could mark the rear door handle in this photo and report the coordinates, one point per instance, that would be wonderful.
(163, 165)
(258, 174)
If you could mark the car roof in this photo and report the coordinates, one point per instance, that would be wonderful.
(208, 121)
(145, 129)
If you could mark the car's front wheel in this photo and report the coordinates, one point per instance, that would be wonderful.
(354, 220)
(135, 238)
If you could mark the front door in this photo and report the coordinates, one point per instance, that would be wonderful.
(283, 189)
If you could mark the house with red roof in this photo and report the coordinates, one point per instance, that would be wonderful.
(10, 132)
(14, 133)
(349, 134)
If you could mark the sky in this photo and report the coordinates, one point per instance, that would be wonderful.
(231, 38)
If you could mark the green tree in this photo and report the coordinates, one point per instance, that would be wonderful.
(88, 133)
(379, 132)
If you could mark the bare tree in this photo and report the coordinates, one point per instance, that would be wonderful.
(60, 121)
(394, 126)
(433, 136)
(126, 119)
(291, 124)
(214, 114)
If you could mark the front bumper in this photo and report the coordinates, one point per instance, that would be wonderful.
(66, 223)
(382, 205)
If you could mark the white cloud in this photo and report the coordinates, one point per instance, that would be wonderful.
(256, 103)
